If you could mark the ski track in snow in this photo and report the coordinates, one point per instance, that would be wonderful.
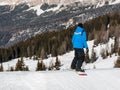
(97, 79)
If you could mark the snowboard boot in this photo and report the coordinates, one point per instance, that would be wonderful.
(73, 66)
(80, 70)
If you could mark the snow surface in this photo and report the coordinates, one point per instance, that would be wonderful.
(98, 79)
(115, 2)
(40, 11)
(37, 9)
(100, 75)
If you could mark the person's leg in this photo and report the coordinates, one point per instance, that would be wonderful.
(81, 57)
(73, 64)
(80, 62)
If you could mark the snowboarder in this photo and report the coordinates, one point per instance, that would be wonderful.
(79, 43)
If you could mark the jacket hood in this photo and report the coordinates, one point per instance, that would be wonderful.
(79, 29)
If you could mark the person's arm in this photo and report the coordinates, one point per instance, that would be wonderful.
(85, 40)
(73, 37)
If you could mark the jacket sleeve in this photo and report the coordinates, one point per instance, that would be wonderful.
(73, 37)
(85, 40)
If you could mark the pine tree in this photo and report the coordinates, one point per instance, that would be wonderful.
(1, 68)
(11, 68)
(43, 53)
(119, 52)
(103, 54)
(29, 54)
(17, 67)
(57, 64)
(112, 49)
(26, 68)
(117, 63)
(87, 59)
(20, 66)
(35, 58)
(116, 45)
(40, 66)
(93, 56)
(43, 66)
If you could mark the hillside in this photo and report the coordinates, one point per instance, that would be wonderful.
(66, 59)
(36, 50)
(107, 79)
(38, 2)
(100, 75)
(22, 21)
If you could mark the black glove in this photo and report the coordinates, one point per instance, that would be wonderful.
(87, 50)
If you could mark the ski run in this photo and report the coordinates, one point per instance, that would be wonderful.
(101, 75)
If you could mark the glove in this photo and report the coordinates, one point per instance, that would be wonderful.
(87, 50)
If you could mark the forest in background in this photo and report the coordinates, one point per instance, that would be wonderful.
(99, 29)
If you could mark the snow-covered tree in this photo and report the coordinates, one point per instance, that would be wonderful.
(51, 65)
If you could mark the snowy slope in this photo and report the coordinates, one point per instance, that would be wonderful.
(100, 75)
(102, 79)
(37, 2)
(40, 11)
(110, 2)
(115, 2)
(67, 58)
(64, 2)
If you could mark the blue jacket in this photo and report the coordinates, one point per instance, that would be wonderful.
(79, 38)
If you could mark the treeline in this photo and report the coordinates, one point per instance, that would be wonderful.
(40, 66)
(59, 42)
(103, 27)
(54, 43)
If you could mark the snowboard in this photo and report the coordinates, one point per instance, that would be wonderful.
(81, 73)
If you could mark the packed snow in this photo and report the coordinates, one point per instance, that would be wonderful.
(100, 75)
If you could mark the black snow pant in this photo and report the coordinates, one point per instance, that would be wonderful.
(78, 59)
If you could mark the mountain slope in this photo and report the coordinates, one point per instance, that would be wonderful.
(22, 21)
(61, 80)
(100, 74)
(67, 58)
(38, 2)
